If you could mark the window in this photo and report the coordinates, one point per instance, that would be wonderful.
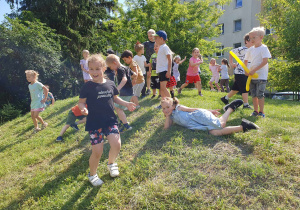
(238, 3)
(237, 25)
(220, 53)
(218, 6)
(236, 45)
(221, 26)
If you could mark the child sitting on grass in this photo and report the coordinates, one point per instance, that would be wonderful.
(202, 119)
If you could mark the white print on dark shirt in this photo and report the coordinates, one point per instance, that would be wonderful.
(105, 94)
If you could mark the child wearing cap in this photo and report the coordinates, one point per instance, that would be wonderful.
(163, 62)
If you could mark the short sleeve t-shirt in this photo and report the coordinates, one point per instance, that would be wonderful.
(256, 55)
(214, 70)
(37, 94)
(99, 100)
(124, 71)
(140, 60)
(140, 77)
(162, 61)
(224, 72)
(193, 70)
(149, 49)
(240, 53)
(176, 72)
(110, 74)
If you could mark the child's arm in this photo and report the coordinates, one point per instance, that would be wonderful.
(146, 64)
(180, 62)
(231, 61)
(219, 68)
(134, 76)
(263, 63)
(130, 106)
(45, 90)
(195, 64)
(150, 67)
(83, 69)
(186, 109)
(168, 122)
(81, 106)
(122, 83)
(168, 74)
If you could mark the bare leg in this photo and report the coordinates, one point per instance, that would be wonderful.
(121, 115)
(64, 129)
(114, 141)
(34, 120)
(135, 100)
(183, 85)
(35, 116)
(198, 85)
(245, 97)
(97, 151)
(227, 130)
(211, 85)
(225, 116)
(233, 92)
(261, 103)
(154, 91)
(164, 90)
(81, 121)
(148, 79)
(218, 87)
(255, 103)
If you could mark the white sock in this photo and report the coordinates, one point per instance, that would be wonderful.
(245, 104)
(226, 97)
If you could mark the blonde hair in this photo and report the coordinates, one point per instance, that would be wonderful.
(211, 60)
(85, 51)
(151, 31)
(177, 57)
(260, 31)
(174, 100)
(112, 58)
(195, 49)
(138, 46)
(97, 58)
(32, 72)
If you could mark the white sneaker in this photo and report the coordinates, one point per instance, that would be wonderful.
(95, 180)
(113, 169)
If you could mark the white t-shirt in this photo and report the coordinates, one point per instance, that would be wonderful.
(176, 72)
(141, 62)
(256, 55)
(224, 72)
(240, 53)
(162, 61)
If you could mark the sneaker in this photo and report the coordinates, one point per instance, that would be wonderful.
(254, 114)
(179, 91)
(200, 94)
(234, 105)
(148, 92)
(36, 130)
(247, 107)
(248, 125)
(260, 114)
(59, 139)
(74, 126)
(158, 107)
(113, 169)
(44, 125)
(152, 97)
(95, 180)
(125, 127)
(224, 100)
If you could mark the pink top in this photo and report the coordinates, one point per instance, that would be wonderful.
(193, 70)
(214, 70)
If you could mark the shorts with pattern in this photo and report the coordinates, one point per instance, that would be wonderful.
(192, 79)
(257, 88)
(96, 136)
(172, 82)
(155, 82)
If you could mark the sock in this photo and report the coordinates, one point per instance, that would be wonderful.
(172, 93)
(226, 97)
(245, 104)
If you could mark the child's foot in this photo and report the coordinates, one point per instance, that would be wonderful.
(254, 114)
(200, 94)
(153, 96)
(44, 125)
(247, 107)
(148, 92)
(95, 180)
(113, 169)
(125, 127)
(248, 125)
(179, 91)
(261, 114)
(59, 139)
(74, 126)
(36, 130)
(234, 105)
(224, 100)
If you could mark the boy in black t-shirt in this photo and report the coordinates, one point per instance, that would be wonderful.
(124, 75)
(99, 95)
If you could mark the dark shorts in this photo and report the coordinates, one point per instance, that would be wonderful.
(162, 76)
(172, 82)
(155, 82)
(257, 88)
(72, 118)
(146, 67)
(240, 83)
(96, 136)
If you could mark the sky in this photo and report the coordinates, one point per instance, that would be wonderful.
(4, 8)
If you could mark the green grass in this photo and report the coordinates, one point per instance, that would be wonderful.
(174, 169)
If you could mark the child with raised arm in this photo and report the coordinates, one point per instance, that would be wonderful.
(164, 62)
(224, 75)
(192, 75)
(240, 79)
(155, 85)
(139, 82)
(177, 61)
(258, 54)
(84, 66)
(202, 119)
(50, 98)
(38, 95)
(99, 95)
(213, 67)
(124, 75)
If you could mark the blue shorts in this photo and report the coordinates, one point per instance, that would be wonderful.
(96, 136)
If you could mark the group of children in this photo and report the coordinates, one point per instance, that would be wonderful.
(100, 97)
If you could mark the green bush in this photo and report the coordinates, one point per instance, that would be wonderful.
(8, 112)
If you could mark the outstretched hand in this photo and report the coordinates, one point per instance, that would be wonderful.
(84, 111)
(215, 112)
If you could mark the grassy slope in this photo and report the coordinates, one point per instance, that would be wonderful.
(175, 169)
